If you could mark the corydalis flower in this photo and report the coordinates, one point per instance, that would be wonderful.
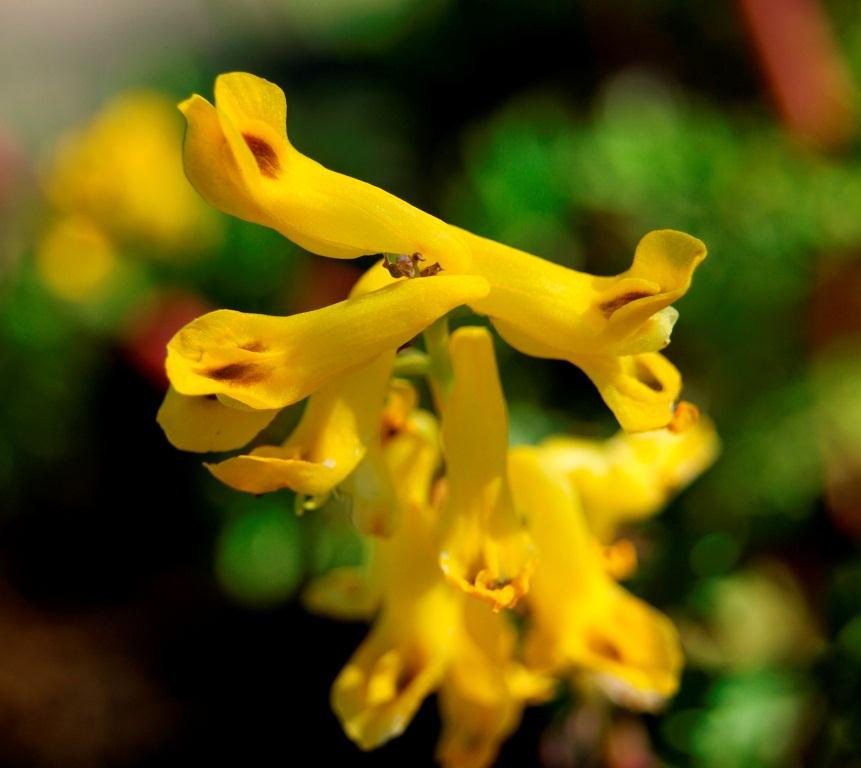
(238, 370)
(630, 477)
(460, 526)
(577, 493)
(485, 548)
(238, 156)
(427, 636)
(580, 618)
(116, 190)
(267, 362)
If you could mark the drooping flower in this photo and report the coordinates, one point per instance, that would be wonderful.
(404, 657)
(340, 355)
(580, 618)
(240, 159)
(267, 362)
(484, 690)
(485, 548)
(630, 477)
(458, 526)
(427, 636)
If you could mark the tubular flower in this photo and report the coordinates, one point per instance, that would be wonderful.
(581, 619)
(457, 526)
(610, 327)
(238, 156)
(341, 355)
(330, 440)
(267, 362)
(600, 324)
(485, 548)
(405, 656)
(427, 636)
(484, 690)
(630, 477)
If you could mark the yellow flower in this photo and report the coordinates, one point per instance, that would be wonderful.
(610, 327)
(339, 422)
(535, 525)
(630, 477)
(340, 355)
(428, 637)
(238, 156)
(484, 691)
(485, 548)
(204, 424)
(580, 618)
(406, 654)
(123, 172)
(76, 260)
(267, 362)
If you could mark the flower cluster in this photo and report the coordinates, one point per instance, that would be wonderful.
(465, 533)
(110, 207)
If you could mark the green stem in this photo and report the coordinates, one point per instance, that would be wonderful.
(412, 362)
(440, 373)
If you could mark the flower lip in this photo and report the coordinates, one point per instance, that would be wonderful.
(265, 156)
(237, 373)
(611, 305)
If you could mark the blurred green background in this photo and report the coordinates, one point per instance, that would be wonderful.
(148, 615)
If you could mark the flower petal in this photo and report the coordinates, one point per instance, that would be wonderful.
(380, 689)
(404, 658)
(339, 422)
(641, 390)
(580, 617)
(249, 168)
(630, 477)
(485, 549)
(484, 690)
(567, 313)
(269, 362)
(347, 593)
(211, 165)
(202, 424)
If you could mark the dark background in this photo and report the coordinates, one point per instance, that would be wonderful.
(148, 616)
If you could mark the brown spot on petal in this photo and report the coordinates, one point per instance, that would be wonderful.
(266, 157)
(617, 302)
(406, 675)
(646, 376)
(237, 373)
(254, 346)
(603, 647)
